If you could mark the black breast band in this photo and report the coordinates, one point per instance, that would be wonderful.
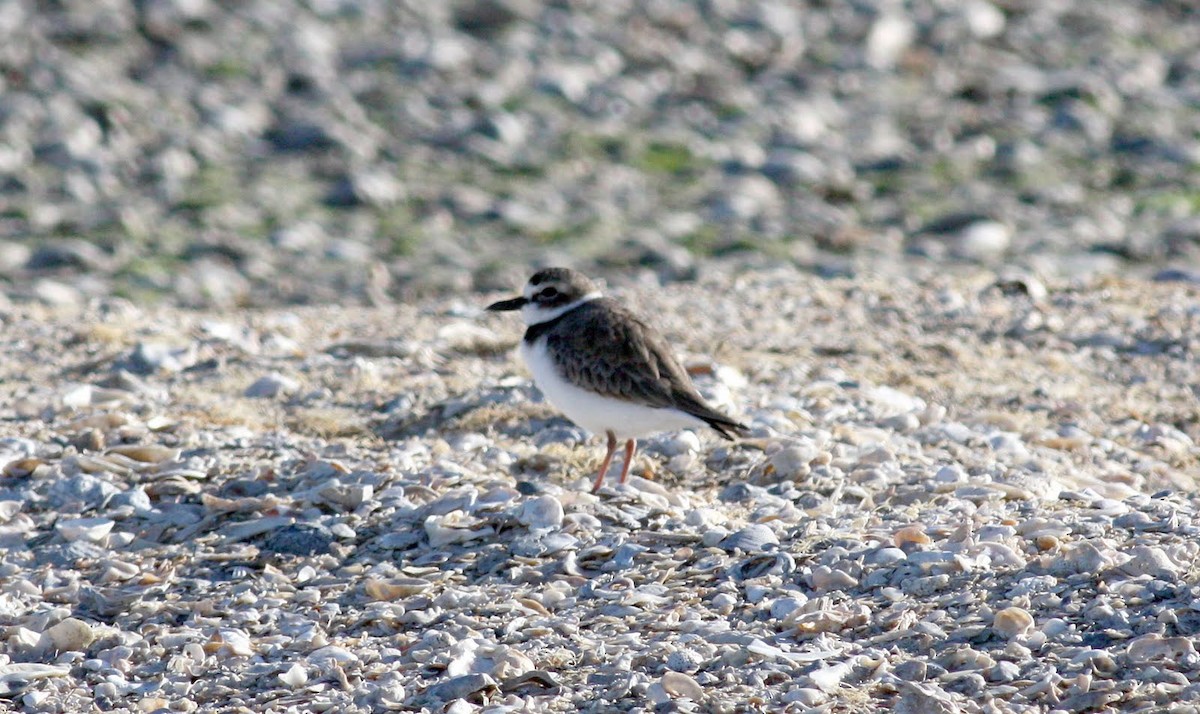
(535, 331)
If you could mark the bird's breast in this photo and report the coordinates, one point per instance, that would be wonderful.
(595, 412)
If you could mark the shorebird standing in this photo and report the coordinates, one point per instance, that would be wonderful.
(603, 367)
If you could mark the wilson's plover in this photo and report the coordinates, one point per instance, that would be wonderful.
(604, 367)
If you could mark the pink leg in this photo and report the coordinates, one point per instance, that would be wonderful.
(612, 446)
(630, 447)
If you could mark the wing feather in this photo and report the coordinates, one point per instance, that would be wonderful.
(618, 355)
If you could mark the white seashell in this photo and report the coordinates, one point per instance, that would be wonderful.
(272, 385)
(823, 579)
(228, 641)
(999, 554)
(9, 509)
(657, 694)
(751, 539)
(1012, 622)
(1080, 557)
(23, 639)
(1150, 560)
(350, 496)
(28, 671)
(792, 461)
(295, 676)
(97, 464)
(389, 589)
(829, 679)
(911, 534)
(70, 635)
(145, 453)
(455, 527)
(89, 529)
(341, 655)
(681, 686)
(508, 662)
(1148, 648)
(685, 661)
(78, 396)
(462, 687)
(542, 513)
(806, 696)
(20, 468)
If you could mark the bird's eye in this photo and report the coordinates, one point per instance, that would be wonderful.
(548, 293)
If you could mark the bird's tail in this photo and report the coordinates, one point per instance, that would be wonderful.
(725, 426)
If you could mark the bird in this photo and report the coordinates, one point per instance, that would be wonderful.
(604, 367)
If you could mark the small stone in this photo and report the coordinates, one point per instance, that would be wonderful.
(805, 696)
(724, 603)
(983, 18)
(1079, 557)
(229, 642)
(886, 556)
(1012, 622)
(299, 539)
(1002, 671)
(70, 635)
(542, 513)
(272, 385)
(890, 36)
(950, 475)
(681, 686)
(792, 462)
(753, 538)
(914, 534)
(57, 294)
(1152, 561)
(829, 679)
(824, 579)
(92, 530)
(455, 527)
(685, 442)
(295, 676)
(388, 589)
(686, 661)
(151, 357)
(1150, 648)
(462, 687)
(785, 606)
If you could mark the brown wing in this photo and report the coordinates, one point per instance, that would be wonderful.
(609, 348)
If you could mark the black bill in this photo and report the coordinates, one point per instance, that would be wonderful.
(504, 305)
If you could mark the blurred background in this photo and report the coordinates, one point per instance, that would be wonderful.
(222, 153)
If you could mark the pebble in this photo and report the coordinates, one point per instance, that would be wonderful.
(272, 385)
(829, 679)
(680, 685)
(1013, 622)
(295, 676)
(69, 635)
(461, 687)
(750, 539)
(1149, 648)
(792, 462)
(94, 530)
(1080, 557)
(1149, 560)
(150, 357)
(542, 513)
(298, 539)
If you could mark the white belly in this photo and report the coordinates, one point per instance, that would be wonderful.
(595, 413)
